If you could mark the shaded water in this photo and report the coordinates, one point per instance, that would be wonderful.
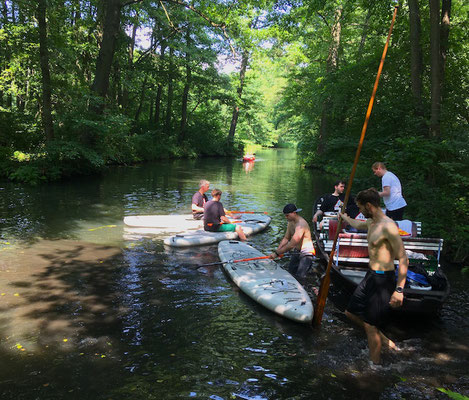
(87, 312)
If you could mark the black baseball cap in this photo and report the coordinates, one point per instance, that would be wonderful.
(289, 208)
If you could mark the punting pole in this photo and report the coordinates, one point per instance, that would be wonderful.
(324, 288)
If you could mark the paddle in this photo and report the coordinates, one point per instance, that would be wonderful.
(324, 288)
(237, 261)
(248, 212)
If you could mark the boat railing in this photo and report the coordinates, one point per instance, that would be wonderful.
(353, 247)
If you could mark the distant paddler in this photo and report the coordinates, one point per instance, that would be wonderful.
(215, 219)
(199, 199)
(298, 240)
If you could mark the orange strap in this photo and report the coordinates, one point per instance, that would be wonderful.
(255, 258)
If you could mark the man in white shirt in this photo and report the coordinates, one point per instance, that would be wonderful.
(391, 193)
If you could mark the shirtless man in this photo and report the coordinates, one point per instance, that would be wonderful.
(370, 303)
(297, 238)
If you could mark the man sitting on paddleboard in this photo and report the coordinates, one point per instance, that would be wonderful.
(297, 238)
(215, 219)
(199, 199)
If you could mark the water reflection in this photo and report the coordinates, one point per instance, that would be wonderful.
(248, 166)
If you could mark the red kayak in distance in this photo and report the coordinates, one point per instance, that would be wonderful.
(249, 157)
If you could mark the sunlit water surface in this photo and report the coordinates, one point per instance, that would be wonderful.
(90, 312)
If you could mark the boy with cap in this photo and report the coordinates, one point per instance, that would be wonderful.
(298, 239)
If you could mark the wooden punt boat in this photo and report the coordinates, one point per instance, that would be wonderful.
(350, 264)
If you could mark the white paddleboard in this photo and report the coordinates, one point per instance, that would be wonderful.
(161, 224)
(252, 223)
(265, 281)
(161, 221)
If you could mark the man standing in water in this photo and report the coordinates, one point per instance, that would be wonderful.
(215, 219)
(370, 303)
(297, 238)
(199, 199)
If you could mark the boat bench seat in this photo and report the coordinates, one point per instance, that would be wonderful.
(325, 226)
(413, 244)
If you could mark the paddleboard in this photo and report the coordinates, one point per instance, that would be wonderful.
(252, 223)
(160, 221)
(161, 224)
(265, 281)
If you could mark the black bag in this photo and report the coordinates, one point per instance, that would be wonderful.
(438, 280)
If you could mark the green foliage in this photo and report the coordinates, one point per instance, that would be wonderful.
(292, 89)
(453, 395)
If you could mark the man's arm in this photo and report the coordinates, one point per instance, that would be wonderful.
(392, 233)
(316, 215)
(225, 219)
(293, 242)
(386, 192)
(196, 208)
(195, 200)
(356, 223)
(284, 243)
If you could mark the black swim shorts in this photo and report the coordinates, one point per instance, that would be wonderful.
(370, 300)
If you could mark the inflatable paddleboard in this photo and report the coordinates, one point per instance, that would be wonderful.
(252, 223)
(161, 224)
(265, 281)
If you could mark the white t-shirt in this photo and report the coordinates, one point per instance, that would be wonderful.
(395, 200)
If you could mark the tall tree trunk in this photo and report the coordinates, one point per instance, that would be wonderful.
(100, 84)
(117, 95)
(332, 65)
(169, 103)
(127, 82)
(234, 118)
(3, 63)
(44, 61)
(142, 98)
(416, 61)
(150, 116)
(364, 34)
(435, 68)
(185, 93)
(4, 13)
(444, 39)
(159, 94)
(159, 91)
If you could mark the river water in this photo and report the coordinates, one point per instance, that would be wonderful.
(88, 312)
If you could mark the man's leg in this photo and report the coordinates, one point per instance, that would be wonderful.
(294, 263)
(358, 321)
(240, 233)
(374, 342)
(304, 265)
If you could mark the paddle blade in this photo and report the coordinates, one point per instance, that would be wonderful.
(248, 212)
(321, 300)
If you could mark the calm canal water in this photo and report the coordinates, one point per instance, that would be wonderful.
(88, 312)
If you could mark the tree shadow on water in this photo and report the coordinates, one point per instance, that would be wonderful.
(60, 321)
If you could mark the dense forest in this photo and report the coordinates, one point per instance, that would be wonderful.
(85, 84)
